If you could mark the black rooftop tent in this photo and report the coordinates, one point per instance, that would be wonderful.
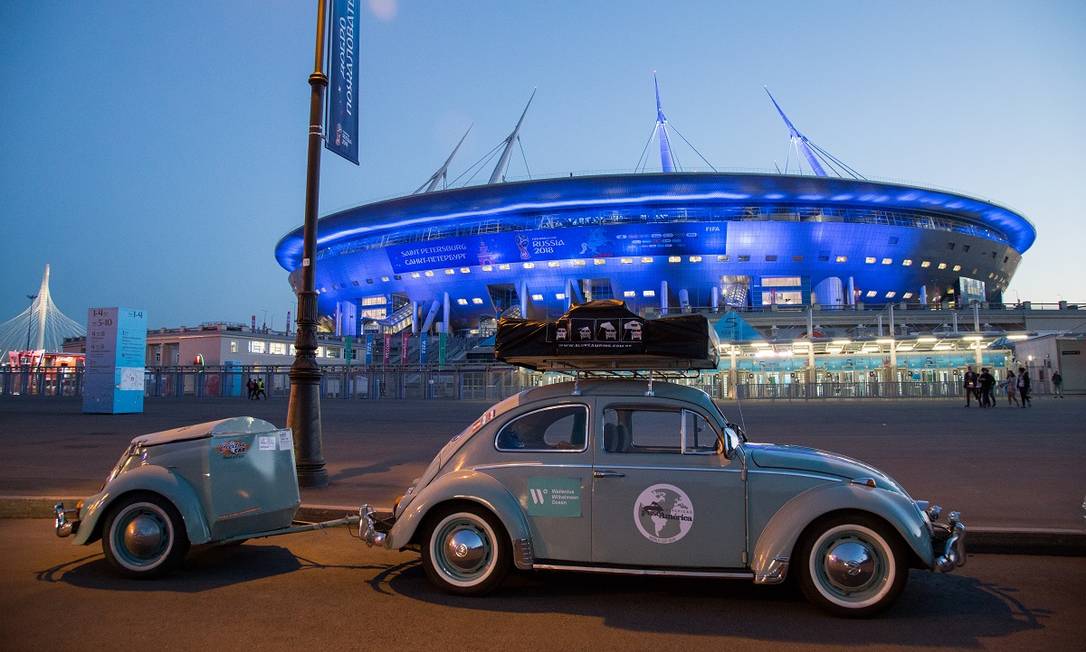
(606, 336)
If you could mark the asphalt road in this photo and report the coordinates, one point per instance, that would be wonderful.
(326, 589)
(1004, 467)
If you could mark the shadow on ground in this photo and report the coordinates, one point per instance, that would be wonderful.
(936, 610)
(203, 570)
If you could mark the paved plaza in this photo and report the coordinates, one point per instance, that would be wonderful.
(1003, 467)
(295, 591)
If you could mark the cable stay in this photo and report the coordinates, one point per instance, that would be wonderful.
(442, 174)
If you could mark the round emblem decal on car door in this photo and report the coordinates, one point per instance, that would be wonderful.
(663, 513)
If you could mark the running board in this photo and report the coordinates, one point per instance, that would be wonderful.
(662, 572)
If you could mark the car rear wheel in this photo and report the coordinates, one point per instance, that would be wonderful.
(852, 565)
(144, 536)
(466, 551)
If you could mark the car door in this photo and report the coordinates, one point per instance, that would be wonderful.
(663, 492)
(542, 456)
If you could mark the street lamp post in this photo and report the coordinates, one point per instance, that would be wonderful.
(30, 319)
(304, 410)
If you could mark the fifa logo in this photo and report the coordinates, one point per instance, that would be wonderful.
(522, 245)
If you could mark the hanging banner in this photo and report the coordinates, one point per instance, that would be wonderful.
(404, 334)
(441, 344)
(348, 349)
(369, 349)
(560, 243)
(342, 119)
(386, 350)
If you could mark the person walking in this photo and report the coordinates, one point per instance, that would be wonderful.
(1057, 384)
(1011, 387)
(1023, 386)
(987, 382)
(260, 390)
(251, 386)
(969, 382)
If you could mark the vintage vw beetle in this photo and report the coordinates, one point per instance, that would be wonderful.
(211, 483)
(624, 476)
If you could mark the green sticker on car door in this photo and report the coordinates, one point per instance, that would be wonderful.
(554, 497)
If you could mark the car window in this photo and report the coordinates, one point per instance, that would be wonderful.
(637, 430)
(649, 430)
(557, 428)
(700, 436)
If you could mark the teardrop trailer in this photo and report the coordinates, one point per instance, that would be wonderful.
(617, 471)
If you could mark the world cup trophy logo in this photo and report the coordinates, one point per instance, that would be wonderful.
(522, 245)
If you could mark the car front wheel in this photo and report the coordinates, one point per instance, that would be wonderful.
(466, 551)
(144, 536)
(852, 565)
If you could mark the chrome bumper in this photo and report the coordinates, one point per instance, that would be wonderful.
(66, 521)
(948, 541)
(369, 530)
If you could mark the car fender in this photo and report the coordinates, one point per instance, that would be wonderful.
(778, 539)
(152, 478)
(473, 486)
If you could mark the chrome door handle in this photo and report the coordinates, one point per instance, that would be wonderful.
(602, 473)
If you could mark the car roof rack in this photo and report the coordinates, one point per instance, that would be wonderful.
(603, 339)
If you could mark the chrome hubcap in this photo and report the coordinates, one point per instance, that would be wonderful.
(144, 535)
(463, 550)
(850, 565)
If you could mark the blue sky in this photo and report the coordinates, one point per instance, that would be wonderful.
(154, 152)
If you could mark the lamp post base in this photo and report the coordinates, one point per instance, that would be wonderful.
(304, 419)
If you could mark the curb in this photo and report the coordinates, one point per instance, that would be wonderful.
(993, 540)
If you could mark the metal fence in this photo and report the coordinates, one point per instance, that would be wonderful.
(461, 382)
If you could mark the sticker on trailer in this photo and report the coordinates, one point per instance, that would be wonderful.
(663, 513)
(266, 442)
(558, 497)
(233, 449)
(286, 440)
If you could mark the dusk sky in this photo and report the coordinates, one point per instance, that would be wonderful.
(154, 152)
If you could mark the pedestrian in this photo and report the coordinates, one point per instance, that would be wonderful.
(969, 382)
(260, 390)
(1023, 386)
(1057, 383)
(251, 386)
(987, 382)
(1011, 387)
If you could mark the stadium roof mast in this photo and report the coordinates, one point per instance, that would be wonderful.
(799, 141)
(667, 164)
(498, 175)
(815, 155)
(442, 174)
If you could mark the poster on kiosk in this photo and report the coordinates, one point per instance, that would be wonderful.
(116, 354)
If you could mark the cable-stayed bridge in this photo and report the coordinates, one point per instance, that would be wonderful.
(41, 327)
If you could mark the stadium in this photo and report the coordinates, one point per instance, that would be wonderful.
(452, 260)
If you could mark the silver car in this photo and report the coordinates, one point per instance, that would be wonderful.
(629, 477)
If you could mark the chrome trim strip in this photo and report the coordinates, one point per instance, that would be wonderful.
(633, 467)
(587, 430)
(510, 465)
(801, 474)
(741, 575)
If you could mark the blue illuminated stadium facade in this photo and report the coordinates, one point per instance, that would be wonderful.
(657, 241)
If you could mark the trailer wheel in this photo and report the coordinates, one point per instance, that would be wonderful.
(144, 536)
(466, 550)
